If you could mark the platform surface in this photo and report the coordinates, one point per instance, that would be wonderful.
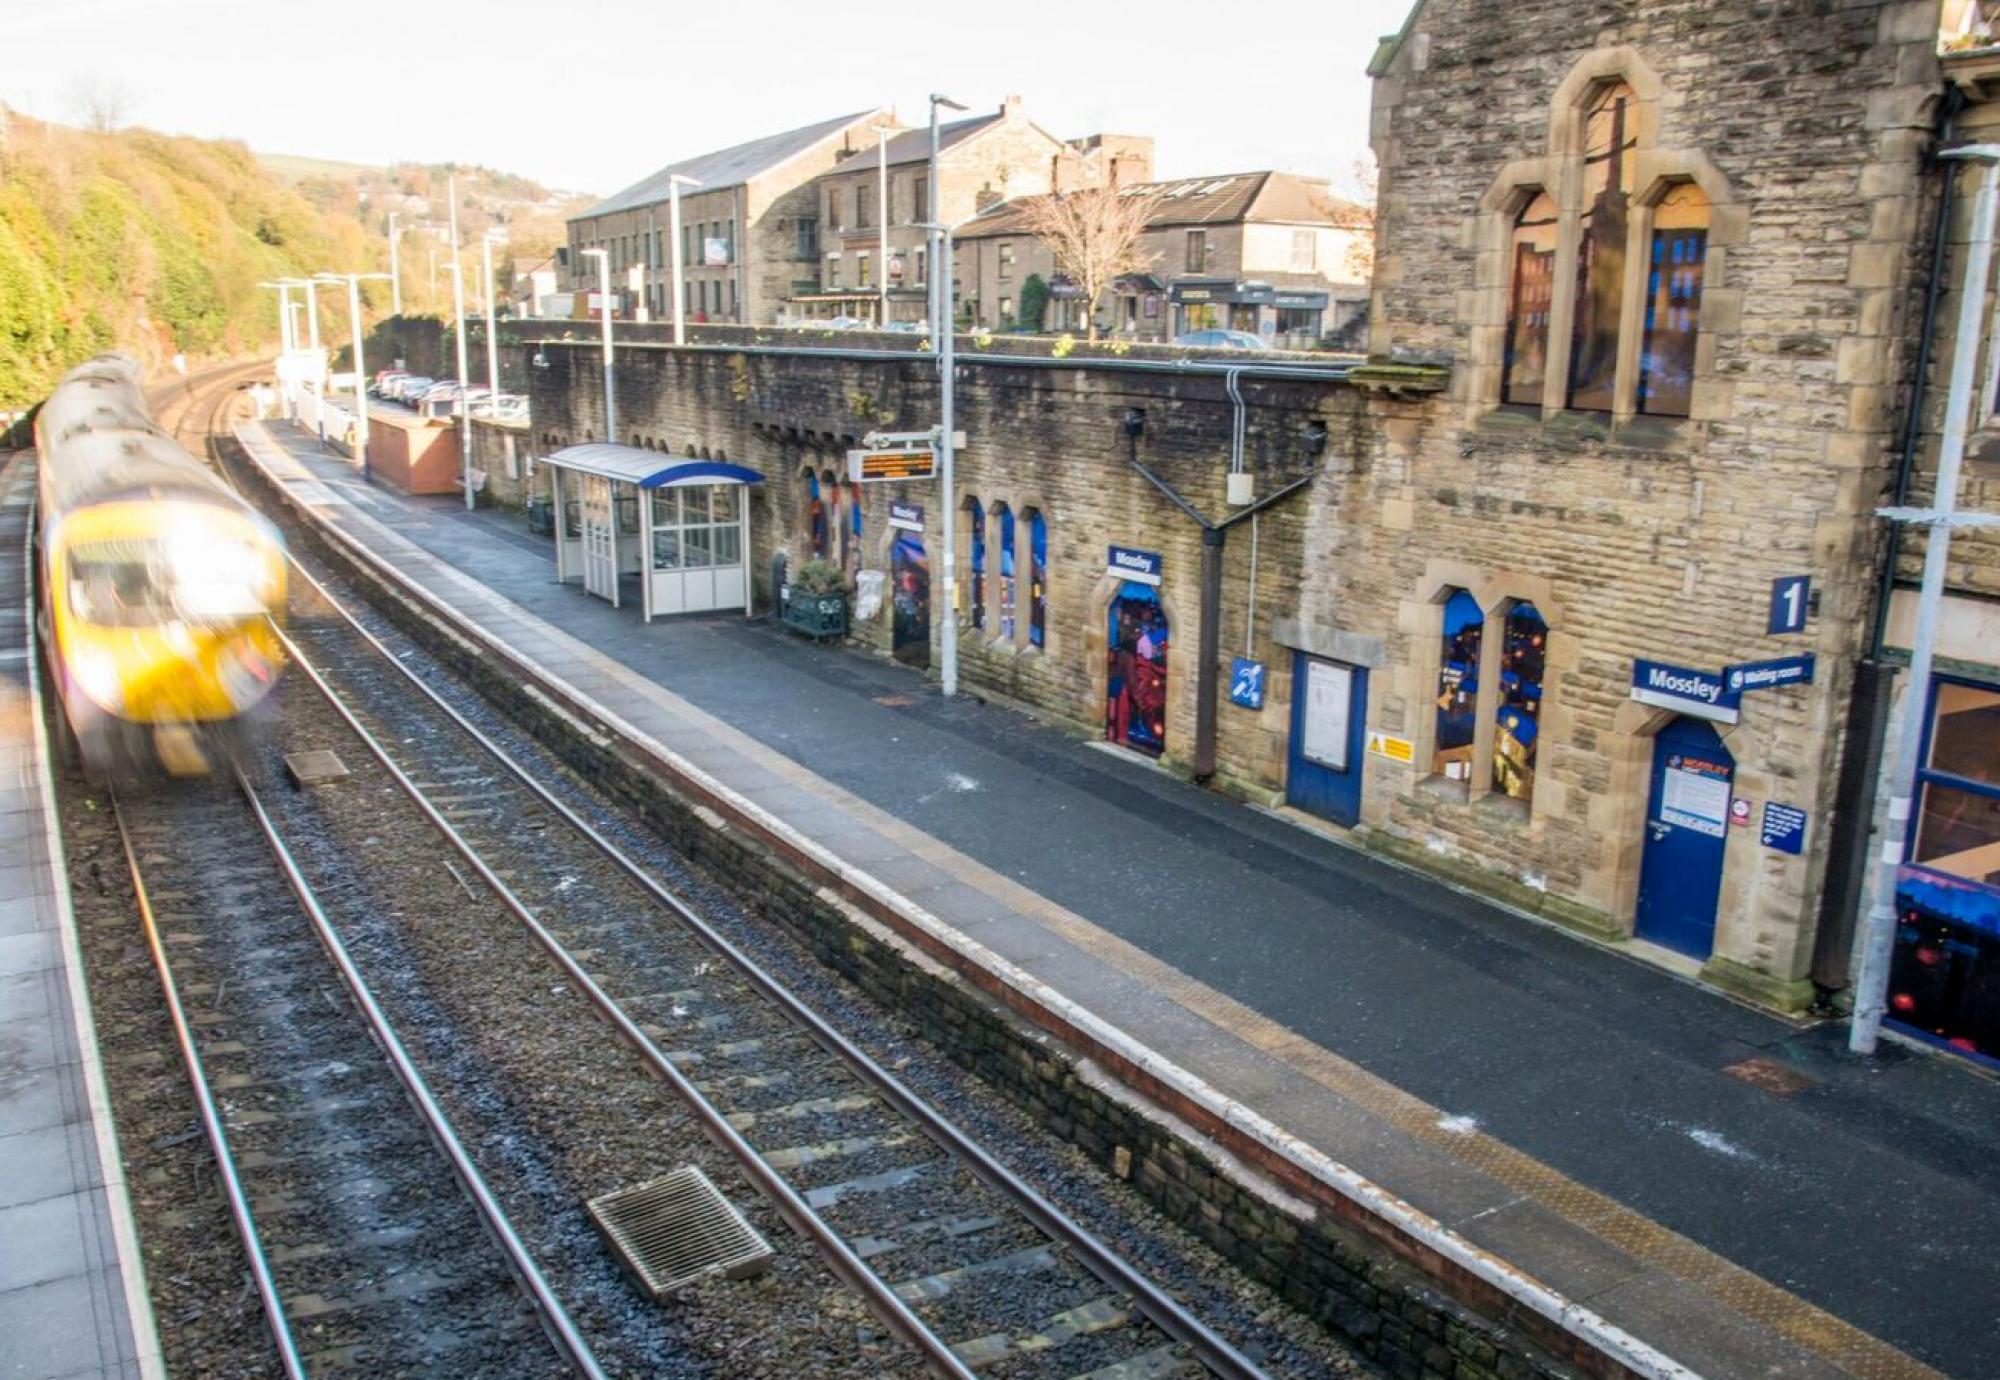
(1732, 1188)
(67, 1295)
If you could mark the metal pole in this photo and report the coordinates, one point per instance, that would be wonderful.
(1879, 930)
(492, 331)
(395, 271)
(603, 257)
(458, 322)
(312, 314)
(882, 215)
(931, 236)
(674, 181)
(1209, 652)
(360, 374)
(947, 393)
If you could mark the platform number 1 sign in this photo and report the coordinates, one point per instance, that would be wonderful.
(1791, 600)
(1246, 683)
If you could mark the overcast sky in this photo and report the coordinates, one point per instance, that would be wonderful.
(591, 95)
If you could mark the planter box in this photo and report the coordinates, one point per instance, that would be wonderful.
(815, 615)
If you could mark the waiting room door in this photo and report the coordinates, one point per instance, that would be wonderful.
(1135, 707)
(600, 563)
(1687, 828)
(910, 611)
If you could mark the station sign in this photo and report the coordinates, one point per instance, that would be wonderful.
(892, 465)
(1143, 566)
(1769, 675)
(1791, 601)
(1784, 828)
(908, 517)
(1246, 683)
(1702, 694)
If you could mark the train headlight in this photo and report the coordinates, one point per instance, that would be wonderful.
(96, 674)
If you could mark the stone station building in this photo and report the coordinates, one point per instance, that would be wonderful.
(1648, 315)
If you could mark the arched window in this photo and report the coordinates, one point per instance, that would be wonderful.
(1673, 301)
(832, 537)
(1005, 518)
(1458, 686)
(1610, 149)
(1038, 577)
(854, 523)
(814, 513)
(975, 517)
(1530, 294)
(1524, 654)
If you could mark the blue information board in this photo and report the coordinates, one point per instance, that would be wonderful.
(1784, 828)
(1246, 683)
(1790, 597)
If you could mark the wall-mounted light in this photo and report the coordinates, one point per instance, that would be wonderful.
(540, 359)
(1312, 436)
(1135, 422)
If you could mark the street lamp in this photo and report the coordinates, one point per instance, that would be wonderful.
(603, 257)
(882, 133)
(674, 183)
(395, 271)
(486, 243)
(354, 281)
(939, 323)
(458, 322)
(946, 448)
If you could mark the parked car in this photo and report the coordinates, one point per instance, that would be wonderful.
(503, 407)
(380, 388)
(1221, 340)
(906, 327)
(409, 387)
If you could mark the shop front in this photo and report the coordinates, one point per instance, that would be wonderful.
(1288, 319)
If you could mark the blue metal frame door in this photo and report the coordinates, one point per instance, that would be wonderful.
(1687, 829)
(1329, 709)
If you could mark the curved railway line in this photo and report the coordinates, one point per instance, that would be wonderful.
(585, 1027)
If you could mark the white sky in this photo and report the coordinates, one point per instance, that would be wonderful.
(591, 95)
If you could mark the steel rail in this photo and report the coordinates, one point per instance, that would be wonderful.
(1155, 1304)
(893, 1311)
(555, 1318)
(211, 1116)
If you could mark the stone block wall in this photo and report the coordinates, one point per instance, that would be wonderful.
(1639, 537)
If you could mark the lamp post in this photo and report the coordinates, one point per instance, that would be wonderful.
(882, 133)
(458, 323)
(674, 183)
(603, 257)
(1878, 931)
(939, 322)
(354, 281)
(486, 243)
(395, 270)
(947, 445)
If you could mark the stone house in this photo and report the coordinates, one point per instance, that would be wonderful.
(982, 160)
(1271, 253)
(747, 227)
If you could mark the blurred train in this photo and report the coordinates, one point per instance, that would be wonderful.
(159, 585)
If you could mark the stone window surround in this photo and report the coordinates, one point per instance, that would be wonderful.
(1023, 504)
(1423, 618)
(1559, 172)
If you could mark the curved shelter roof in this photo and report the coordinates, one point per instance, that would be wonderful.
(648, 469)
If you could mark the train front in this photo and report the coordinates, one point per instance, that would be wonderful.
(162, 618)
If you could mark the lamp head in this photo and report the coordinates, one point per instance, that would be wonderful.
(1312, 436)
(1135, 422)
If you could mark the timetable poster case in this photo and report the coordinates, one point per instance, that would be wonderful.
(1944, 977)
(1695, 795)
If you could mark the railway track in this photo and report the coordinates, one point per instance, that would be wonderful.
(963, 1261)
(364, 1256)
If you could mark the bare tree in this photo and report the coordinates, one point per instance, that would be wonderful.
(1354, 209)
(1094, 236)
(100, 104)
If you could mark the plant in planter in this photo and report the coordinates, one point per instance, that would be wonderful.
(815, 600)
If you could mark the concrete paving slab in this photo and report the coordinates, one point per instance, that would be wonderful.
(56, 1329)
(30, 1043)
(34, 1098)
(46, 1162)
(24, 995)
(26, 914)
(33, 952)
(41, 1241)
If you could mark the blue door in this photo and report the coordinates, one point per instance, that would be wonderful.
(1687, 826)
(1329, 707)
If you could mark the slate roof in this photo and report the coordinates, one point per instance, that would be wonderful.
(1252, 196)
(730, 167)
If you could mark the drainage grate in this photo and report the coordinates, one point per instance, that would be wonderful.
(673, 1230)
(315, 768)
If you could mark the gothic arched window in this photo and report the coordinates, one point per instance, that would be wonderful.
(1531, 292)
(1458, 686)
(1673, 301)
(1610, 149)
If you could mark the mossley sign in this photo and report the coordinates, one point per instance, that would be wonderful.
(1703, 694)
(1143, 566)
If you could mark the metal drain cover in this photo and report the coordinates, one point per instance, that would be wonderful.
(315, 768)
(673, 1230)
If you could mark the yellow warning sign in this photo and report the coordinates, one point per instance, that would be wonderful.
(1395, 749)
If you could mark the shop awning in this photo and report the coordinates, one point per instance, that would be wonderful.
(648, 469)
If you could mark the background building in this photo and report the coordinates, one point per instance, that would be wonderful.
(748, 230)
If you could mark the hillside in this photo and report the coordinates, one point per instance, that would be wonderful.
(155, 244)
